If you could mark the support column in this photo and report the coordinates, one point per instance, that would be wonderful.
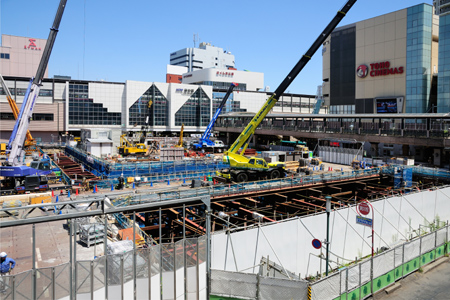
(374, 149)
(405, 150)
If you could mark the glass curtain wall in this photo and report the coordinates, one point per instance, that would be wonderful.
(83, 111)
(443, 100)
(195, 111)
(157, 113)
(418, 58)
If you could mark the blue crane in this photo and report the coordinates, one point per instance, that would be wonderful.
(204, 141)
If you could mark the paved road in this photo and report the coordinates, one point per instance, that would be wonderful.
(435, 284)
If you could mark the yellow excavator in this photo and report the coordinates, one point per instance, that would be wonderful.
(244, 168)
(128, 148)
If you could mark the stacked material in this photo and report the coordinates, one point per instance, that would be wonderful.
(91, 234)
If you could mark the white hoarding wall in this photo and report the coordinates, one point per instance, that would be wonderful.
(289, 243)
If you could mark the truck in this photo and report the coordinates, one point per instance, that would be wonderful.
(15, 173)
(242, 168)
(204, 142)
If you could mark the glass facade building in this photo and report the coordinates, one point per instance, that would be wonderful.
(157, 112)
(83, 111)
(443, 93)
(195, 111)
(418, 58)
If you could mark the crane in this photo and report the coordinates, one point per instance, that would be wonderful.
(242, 168)
(29, 139)
(16, 141)
(18, 176)
(204, 140)
(180, 140)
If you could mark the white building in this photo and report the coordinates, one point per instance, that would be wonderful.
(205, 56)
(222, 78)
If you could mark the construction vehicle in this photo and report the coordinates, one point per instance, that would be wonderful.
(29, 141)
(128, 148)
(243, 168)
(204, 141)
(15, 172)
(180, 140)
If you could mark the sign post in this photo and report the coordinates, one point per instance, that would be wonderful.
(364, 207)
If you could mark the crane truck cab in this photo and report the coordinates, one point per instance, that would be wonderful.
(243, 169)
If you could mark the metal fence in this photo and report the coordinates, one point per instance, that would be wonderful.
(157, 272)
(371, 275)
(253, 286)
(354, 282)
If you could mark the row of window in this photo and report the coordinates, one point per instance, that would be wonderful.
(21, 92)
(4, 55)
(35, 117)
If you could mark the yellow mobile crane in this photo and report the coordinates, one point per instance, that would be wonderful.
(180, 140)
(243, 168)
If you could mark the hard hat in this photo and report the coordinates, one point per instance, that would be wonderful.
(3, 254)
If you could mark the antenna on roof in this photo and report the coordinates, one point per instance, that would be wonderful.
(195, 39)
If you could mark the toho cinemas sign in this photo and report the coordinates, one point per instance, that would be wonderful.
(378, 69)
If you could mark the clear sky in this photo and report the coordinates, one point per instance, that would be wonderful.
(132, 40)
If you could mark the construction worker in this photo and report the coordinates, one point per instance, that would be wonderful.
(6, 263)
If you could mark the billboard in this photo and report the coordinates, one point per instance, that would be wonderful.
(389, 105)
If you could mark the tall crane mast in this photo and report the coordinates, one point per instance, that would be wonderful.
(242, 168)
(247, 133)
(204, 140)
(15, 110)
(16, 142)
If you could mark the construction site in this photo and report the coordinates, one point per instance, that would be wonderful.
(183, 217)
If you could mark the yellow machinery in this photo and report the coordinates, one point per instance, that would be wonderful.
(243, 168)
(29, 141)
(128, 148)
(180, 140)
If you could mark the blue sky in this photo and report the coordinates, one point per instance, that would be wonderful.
(132, 40)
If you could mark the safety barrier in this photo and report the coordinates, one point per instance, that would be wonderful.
(154, 272)
(356, 281)
(253, 286)
(351, 282)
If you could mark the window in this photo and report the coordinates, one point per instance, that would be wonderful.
(4, 55)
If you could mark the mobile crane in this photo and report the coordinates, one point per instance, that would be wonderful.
(17, 175)
(204, 141)
(29, 142)
(242, 168)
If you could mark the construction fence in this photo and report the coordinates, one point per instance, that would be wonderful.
(356, 281)
(166, 271)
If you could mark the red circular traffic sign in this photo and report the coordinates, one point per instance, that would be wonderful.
(364, 208)
(316, 243)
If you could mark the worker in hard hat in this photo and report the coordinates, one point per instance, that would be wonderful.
(6, 263)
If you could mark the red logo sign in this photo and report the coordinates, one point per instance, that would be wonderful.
(227, 74)
(378, 69)
(362, 71)
(364, 208)
(32, 45)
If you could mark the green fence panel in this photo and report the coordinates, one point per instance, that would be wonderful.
(440, 251)
(212, 297)
(427, 258)
(398, 272)
(384, 281)
(411, 266)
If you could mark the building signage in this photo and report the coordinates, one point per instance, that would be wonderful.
(364, 221)
(184, 91)
(224, 74)
(378, 69)
(32, 45)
